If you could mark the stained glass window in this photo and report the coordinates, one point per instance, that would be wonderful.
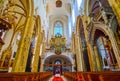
(57, 62)
(58, 28)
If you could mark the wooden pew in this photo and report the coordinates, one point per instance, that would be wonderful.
(6, 77)
(16, 76)
(80, 77)
(110, 76)
(85, 76)
(25, 76)
(93, 76)
(44, 76)
(71, 76)
(104, 76)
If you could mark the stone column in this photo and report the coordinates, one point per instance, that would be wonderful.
(42, 57)
(73, 43)
(115, 46)
(19, 64)
(91, 57)
(97, 58)
(78, 54)
(37, 53)
(41, 65)
(90, 52)
(89, 48)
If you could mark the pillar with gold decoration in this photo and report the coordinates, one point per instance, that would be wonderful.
(20, 61)
(23, 49)
(42, 57)
(38, 44)
(115, 4)
(78, 54)
(73, 49)
(73, 43)
(91, 57)
(97, 58)
(37, 53)
(89, 46)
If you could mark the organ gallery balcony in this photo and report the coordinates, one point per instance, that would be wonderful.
(57, 44)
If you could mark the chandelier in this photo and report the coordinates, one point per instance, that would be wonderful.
(58, 3)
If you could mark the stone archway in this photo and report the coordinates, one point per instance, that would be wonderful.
(50, 63)
(108, 32)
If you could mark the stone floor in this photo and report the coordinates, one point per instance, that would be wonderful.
(64, 79)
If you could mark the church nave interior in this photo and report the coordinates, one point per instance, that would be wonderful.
(59, 40)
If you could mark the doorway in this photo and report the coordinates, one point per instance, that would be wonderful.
(57, 67)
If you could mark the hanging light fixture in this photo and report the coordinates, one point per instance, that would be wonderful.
(58, 3)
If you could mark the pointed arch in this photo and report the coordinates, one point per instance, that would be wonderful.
(107, 32)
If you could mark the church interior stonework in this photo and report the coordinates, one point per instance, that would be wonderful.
(59, 40)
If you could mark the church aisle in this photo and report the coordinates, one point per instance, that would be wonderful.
(64, 79)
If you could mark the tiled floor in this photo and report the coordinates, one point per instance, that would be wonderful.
(64, 79)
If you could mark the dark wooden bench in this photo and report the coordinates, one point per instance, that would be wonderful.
(93, 76)
(44, 76)
(110, 76)
(6, 77)
(25, 76)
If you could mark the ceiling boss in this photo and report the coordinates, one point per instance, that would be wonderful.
(58, 3)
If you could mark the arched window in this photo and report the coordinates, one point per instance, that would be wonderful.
(73, 15)
(57, 62)
(58, 28)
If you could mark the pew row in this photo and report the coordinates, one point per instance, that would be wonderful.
(92, 76)
(25, 76)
